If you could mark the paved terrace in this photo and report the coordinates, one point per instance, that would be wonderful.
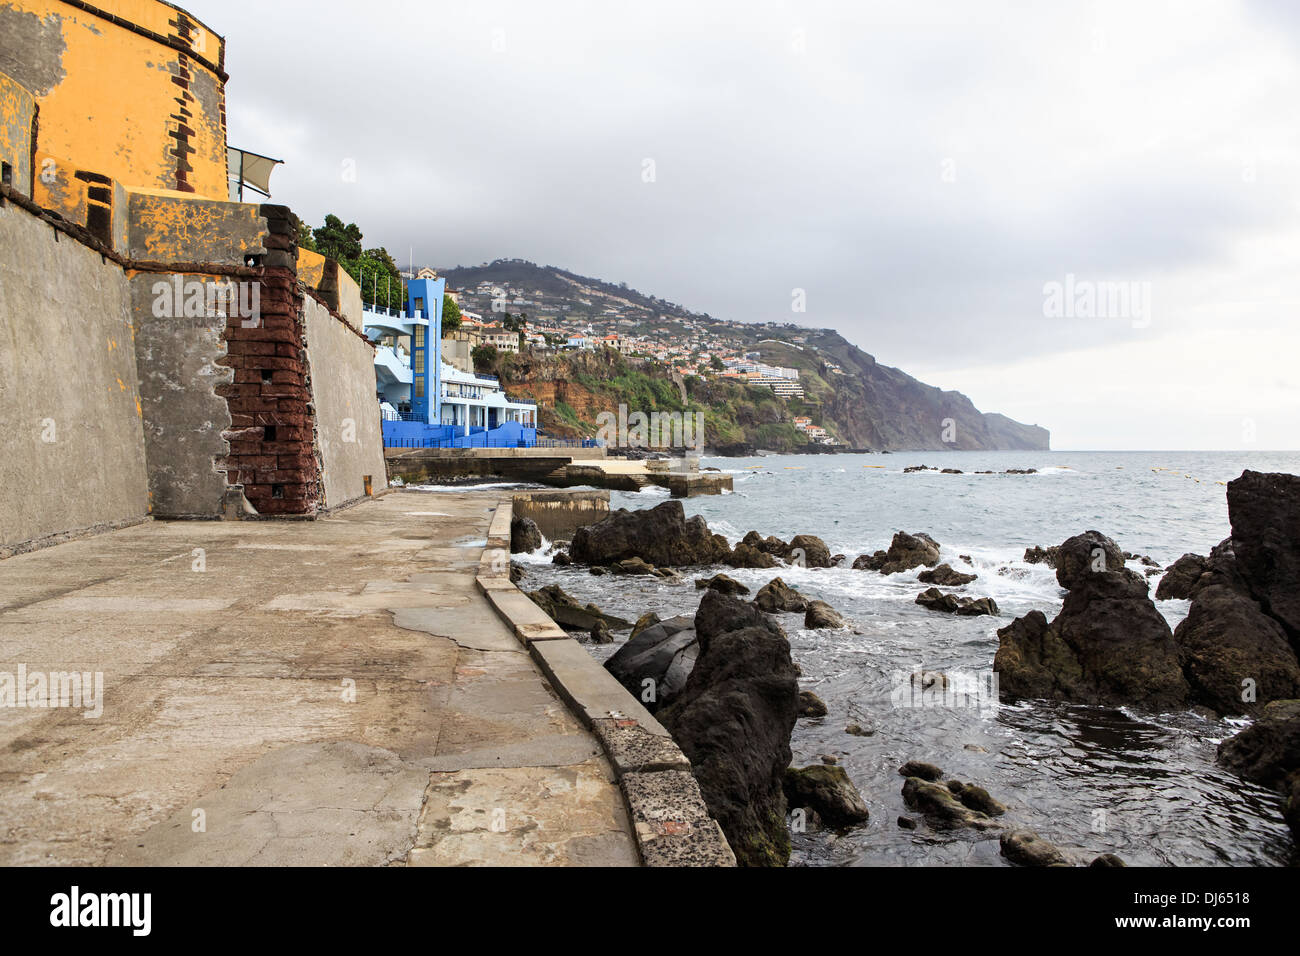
(229, 691)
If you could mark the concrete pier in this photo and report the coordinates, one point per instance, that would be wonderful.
(335, 692)
(562, 468)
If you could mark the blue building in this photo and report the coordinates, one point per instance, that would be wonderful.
(425, 401)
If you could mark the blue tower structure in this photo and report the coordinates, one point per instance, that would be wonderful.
(424, 302)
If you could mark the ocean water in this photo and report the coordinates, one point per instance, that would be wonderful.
(1090, 779)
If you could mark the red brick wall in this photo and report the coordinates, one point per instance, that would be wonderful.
(280, 474)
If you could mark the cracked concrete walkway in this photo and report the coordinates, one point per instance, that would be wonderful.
(332, 692)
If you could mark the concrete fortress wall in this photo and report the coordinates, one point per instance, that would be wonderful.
(129, 89)
(349, 435)
(70, 416)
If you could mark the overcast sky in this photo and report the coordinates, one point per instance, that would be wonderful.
(923, 171)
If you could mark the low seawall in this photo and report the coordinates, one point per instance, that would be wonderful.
(559, 513)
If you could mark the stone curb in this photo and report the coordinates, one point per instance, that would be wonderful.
(669, 817)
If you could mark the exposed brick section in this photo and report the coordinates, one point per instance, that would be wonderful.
(273, 425)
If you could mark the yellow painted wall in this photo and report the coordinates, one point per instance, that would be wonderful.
(17, 105)
(108, 103)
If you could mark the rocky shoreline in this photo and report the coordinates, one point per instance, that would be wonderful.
(724, 683)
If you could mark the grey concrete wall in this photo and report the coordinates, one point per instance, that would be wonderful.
(72, 454)
(560, 513)
(183, 415)
(349, 439)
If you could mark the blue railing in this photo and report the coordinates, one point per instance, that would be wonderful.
(480, 442)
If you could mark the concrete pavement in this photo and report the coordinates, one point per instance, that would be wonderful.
(330, 692)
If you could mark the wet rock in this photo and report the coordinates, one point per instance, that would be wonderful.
(1026, 848)
(644, 621)
(721, 582)
(966, 558)
(870, 562)
(569, 614)
(1143, 559)
(517, 573)
(662, 536)
(936, 600)
(1264, 511)
(655, 663)
(821, 615)
(1225, 642)
(1107, 859)
(1181, 578)
(906, 823)
(977, 798)
(561, 558)
(929, 680)
(808, 551)
(601, 634)
(1086, 554)
(828, 791)
(747, 556)
(921, 770)
(634, 566)
(776, 596)
(940, 806)
(810, 705)
(945, 576)
(857, 730)
(597, 570)
(1109, 644)
(733, 721)
(908, 551)
(525, 536)
(1267, 751)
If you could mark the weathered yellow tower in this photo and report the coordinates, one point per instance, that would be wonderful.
(131, 91)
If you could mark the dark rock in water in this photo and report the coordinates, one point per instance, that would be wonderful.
(810, 705)
(911, 468)
(1109, 644)
(1268, 753)
(1038, 555)
(1107, 859)
(946, 576)
(644, 621)
(747, 556)
(1225, 642)
(808, 551)
(1264, 510)
(733, 721)
(662, 536)
(721, 582)
(569, 614)
(600, 634)
(940, 806)
(561, 558)
(1086, 554)
(632, 566)
(1024, 847)
(977, 798)
(918, 768)
(1181, 578)
(907, 823)
(870, 562)
(821, 615)
(1268, 750)
(908, 551)
(857, 730)
(837, 560)
(525, 536)
(517, 573)
(936, 600)
(774, 546)
(828, 791)
(597, 570)
(776, 596)
(656, 662)
(1021, 471)
(1143, 559)
(950, 471)
(966, 558)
